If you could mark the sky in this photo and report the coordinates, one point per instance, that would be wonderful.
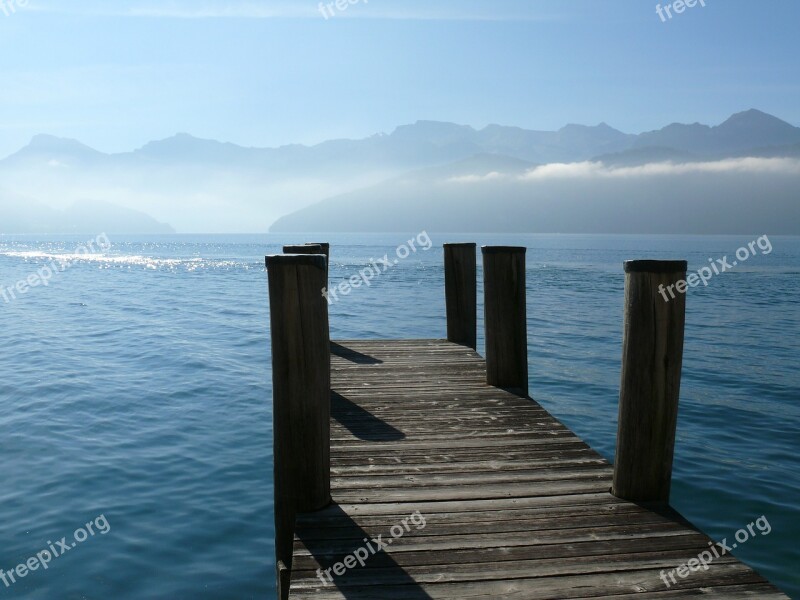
(116, 74)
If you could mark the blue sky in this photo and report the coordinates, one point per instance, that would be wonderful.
(118, 73)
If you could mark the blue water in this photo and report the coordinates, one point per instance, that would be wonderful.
(136, 386)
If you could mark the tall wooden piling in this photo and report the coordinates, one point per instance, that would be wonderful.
(505, 317)
(301, 394)
(652, 354)
(460, 283)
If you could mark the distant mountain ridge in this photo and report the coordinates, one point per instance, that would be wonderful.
(680, 179)
(741, 132)
(195, 184)
(426, 142)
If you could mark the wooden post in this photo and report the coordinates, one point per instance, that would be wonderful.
(652, 353)
(304, 249)
(312, 248)
(301, 393)
(505, 317)
(326, 250)
(284, 580)
(460, 286)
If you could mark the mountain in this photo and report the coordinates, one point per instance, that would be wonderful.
(424, 143)
(792, 150)
(54, 151)
(739, 177)
(24, 215)
(200, 185)
(94, 215)
(186, 148)
(644, 156)
(568, 144)
(572, 142)
(742, 132)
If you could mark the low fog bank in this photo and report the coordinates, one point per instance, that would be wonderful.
(724, 197)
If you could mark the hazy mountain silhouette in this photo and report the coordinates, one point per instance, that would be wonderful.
(205, 185)
(90, 217)
(647, 155)
(48, 149)
(742, 132)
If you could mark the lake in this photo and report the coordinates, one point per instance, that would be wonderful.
(136, 392)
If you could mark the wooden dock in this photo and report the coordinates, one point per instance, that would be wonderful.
(473, 489)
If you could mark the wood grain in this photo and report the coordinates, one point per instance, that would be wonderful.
(652, 354)
(505, 317)
(460, 285)
(301, 393)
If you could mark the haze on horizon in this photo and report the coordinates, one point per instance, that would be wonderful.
(271, 73)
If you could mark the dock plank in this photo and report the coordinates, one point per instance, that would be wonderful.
(515, 505)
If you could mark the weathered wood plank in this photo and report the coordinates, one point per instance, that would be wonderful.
(515, 505)
(499, 554)
(632, 582)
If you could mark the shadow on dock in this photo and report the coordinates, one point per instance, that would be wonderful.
(334, 522)
(362, 423)
(352, 355)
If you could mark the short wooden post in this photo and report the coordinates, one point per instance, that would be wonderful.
(505, 317)
(301, 393)
(326, 250)
(652, 354)
(304, 249)
(312, 248)
(460, 286)
(284, 580)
